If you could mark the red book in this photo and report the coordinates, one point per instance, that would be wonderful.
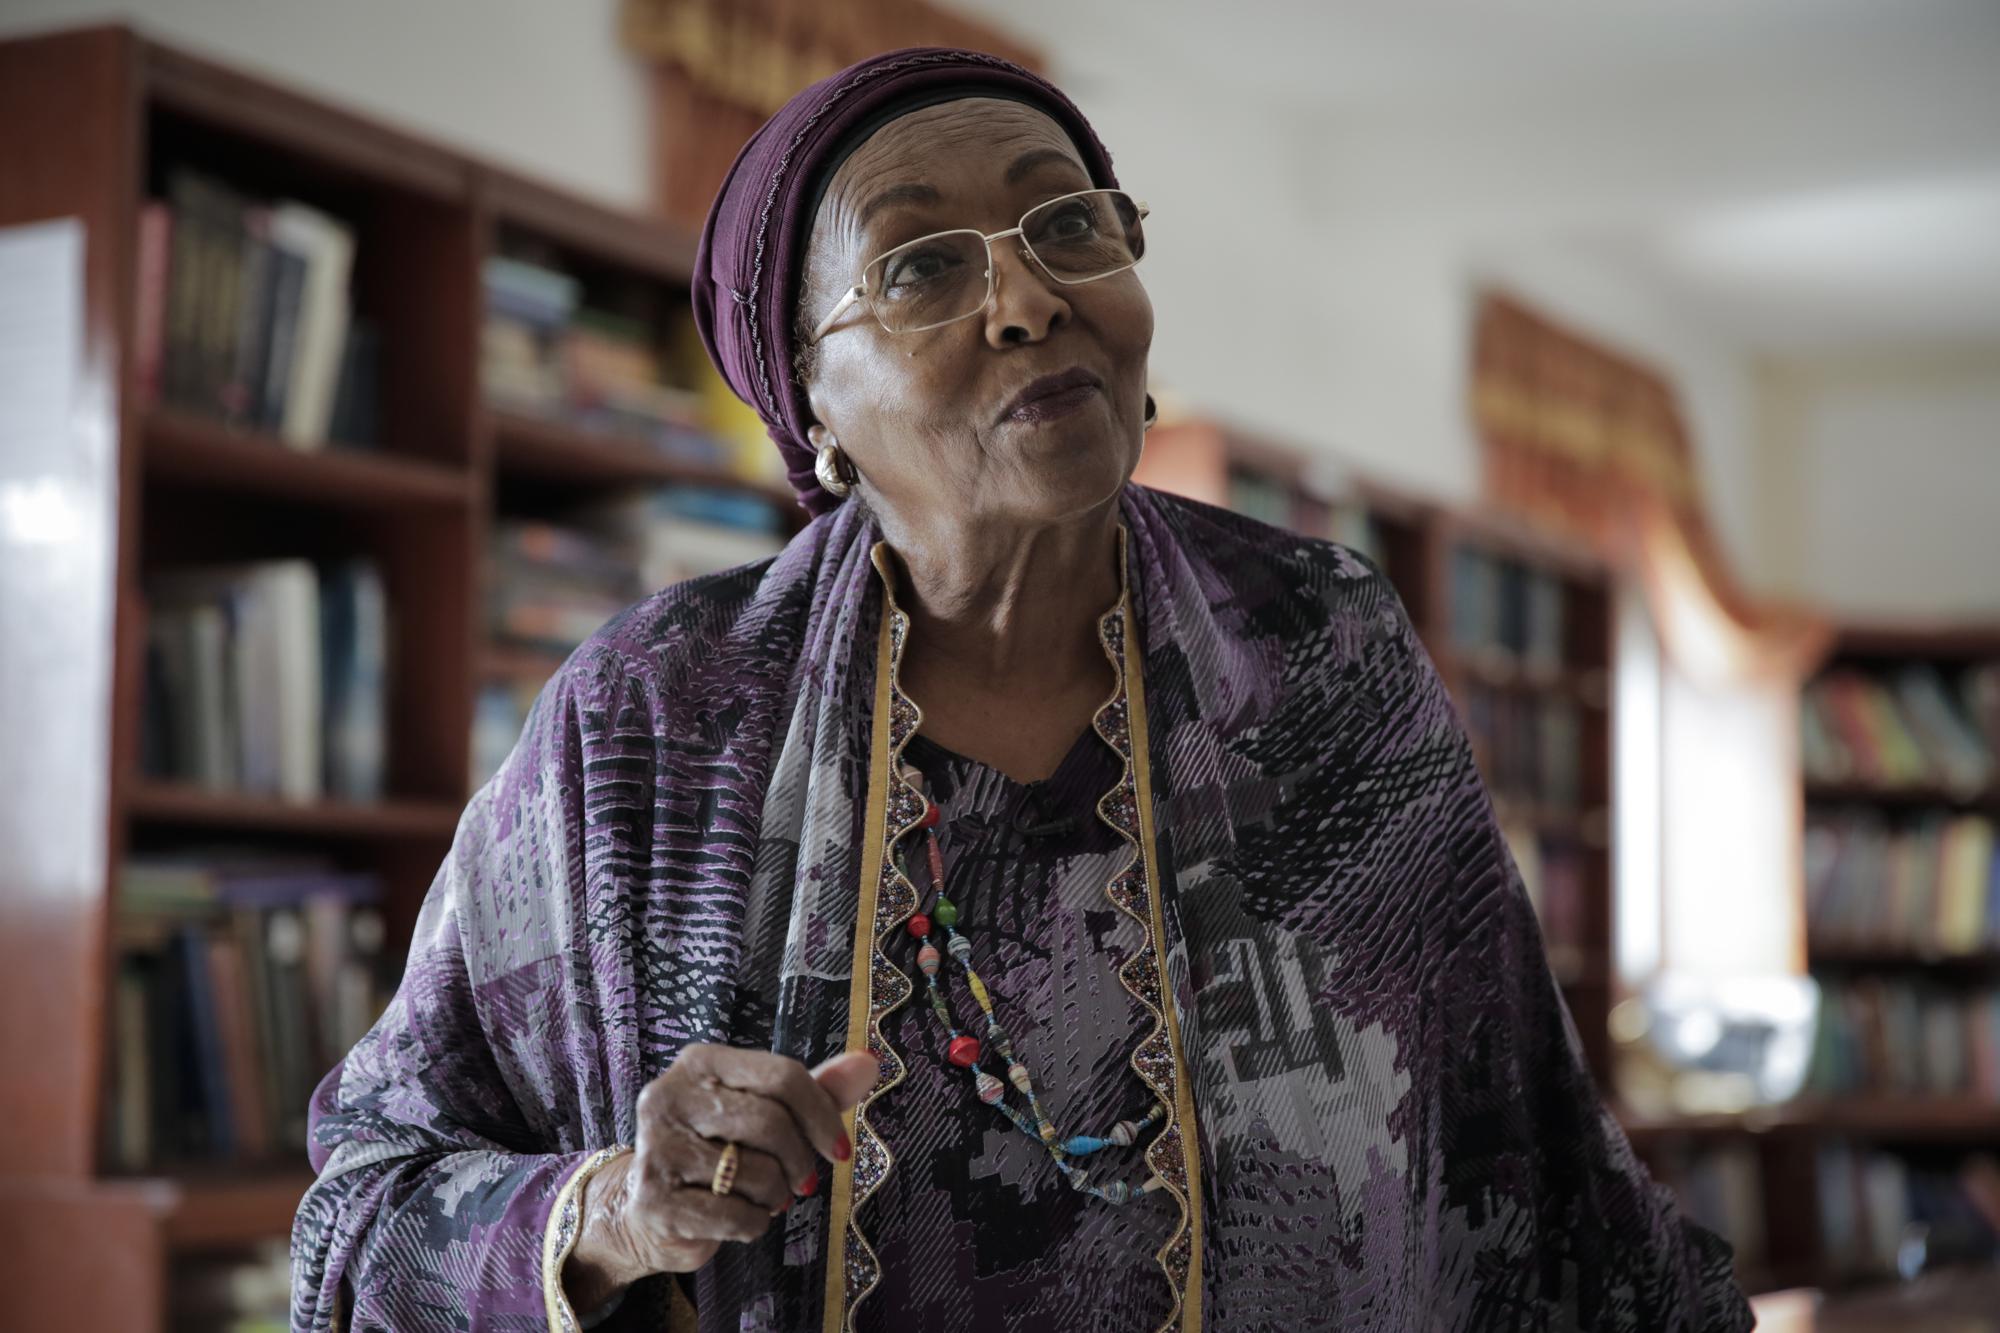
(156, 238)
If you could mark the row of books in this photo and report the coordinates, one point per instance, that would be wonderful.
(548, 348)
(1530, 746)
(230, 1292)
(244, 315)
(241, 980)
(1916, 726)
(1928, 886)
(268, 677)
(1504, 610)
(1554, 872)
(1719, 1185)
(1881, 1213)
(1899, 1037)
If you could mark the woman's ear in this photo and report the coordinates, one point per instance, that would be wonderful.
(819, 437)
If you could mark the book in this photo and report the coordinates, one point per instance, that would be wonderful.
(285, 291)
(156, 239)
(354, 648)
(327, 248)
(356, 420)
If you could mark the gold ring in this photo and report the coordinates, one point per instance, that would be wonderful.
(725, 1170)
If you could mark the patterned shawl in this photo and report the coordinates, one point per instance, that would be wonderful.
(1391, 1125)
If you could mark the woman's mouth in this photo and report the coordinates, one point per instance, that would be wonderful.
(1053, 396)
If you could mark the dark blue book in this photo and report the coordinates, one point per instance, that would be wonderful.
(205, 1074)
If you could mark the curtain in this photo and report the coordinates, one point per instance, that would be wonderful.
(1582, 440)
(721, 67)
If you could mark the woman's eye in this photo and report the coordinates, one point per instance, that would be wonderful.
(915, 269)
(1070, 222)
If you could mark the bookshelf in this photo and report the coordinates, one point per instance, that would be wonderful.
(1912, 1093)
(114, 120)
(1533, 689)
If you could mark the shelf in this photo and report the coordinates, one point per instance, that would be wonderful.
(1495, 670)
(227, 1211)
(604, 235)
(527, 446)
(157, 802)
(509, 661)
(1889, 958)
(1591, 826)
(1971, 1119)
(189, 449)
(1575, 970)
(1902, 798)
(1877, 1116)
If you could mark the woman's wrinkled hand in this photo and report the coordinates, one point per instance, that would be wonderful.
(652, 1210)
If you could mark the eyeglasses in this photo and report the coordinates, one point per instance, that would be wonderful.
(948, 275)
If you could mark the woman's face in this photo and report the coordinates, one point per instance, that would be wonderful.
(925, 417)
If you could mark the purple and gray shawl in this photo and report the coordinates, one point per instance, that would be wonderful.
(1394, 1125)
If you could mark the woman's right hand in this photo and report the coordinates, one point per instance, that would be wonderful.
(652, 1210)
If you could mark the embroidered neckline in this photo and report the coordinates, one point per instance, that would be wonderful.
(1130, 888)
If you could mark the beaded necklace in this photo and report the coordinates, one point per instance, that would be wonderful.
(967, 1051)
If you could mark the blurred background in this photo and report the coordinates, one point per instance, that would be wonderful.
(347, 380)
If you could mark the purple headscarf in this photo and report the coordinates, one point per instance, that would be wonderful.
(753, 246)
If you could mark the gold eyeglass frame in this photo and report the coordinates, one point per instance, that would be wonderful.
(859, 291)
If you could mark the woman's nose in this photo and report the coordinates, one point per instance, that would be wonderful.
(1026, 305)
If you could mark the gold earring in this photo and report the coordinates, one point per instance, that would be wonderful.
(1152, 413)
(831, 469)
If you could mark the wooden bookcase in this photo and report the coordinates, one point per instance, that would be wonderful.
(1417, 543)
(1784, 1143)
(94, 116)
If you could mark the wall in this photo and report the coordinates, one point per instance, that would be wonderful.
(539, 86)
(1882, 479)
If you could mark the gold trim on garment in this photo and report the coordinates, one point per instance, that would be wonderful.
(559, 1238)
(1181, 1137)
(877, 986)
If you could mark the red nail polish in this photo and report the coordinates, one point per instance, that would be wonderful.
(809, 1184)
(842, 1149)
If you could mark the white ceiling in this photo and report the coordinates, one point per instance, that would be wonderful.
(1828, 171)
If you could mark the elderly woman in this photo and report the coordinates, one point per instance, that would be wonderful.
(1098, 882)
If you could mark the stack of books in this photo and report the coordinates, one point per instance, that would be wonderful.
(1912, 727)
(686, 532)
(547, 350)
(268, 678)
(1906, 1038)
(244, 315)
(241, 981)
(1928, 886)
(554, 584)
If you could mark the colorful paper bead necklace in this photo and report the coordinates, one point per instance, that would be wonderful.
(966, 1051)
